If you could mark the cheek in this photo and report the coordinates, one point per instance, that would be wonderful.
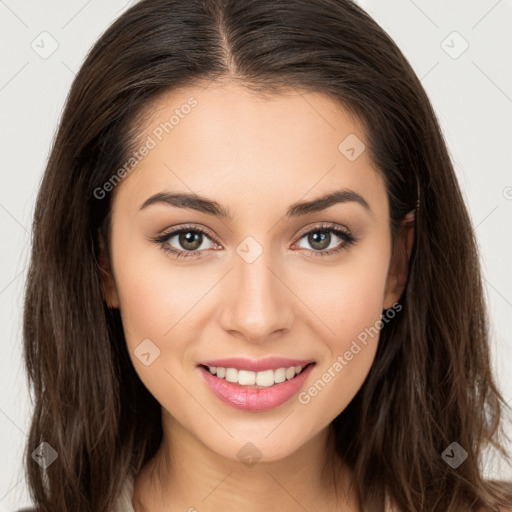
(348, 298)
(154, 294)
(142, 302)
(349, 305)
(157, 304)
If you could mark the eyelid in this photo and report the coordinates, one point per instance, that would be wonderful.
(318, 226)
(190, 227)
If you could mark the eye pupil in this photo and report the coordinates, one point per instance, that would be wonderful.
(188, 240)
(318, 238)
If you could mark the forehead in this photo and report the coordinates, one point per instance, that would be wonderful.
(248, 151)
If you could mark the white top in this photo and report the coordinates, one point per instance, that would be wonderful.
(124, 502)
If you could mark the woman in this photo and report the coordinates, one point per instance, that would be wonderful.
(254, 283)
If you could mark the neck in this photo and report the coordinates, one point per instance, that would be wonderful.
(186, 475)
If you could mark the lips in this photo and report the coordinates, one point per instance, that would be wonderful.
(255, 398)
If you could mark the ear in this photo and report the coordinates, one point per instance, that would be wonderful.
(108, 283)
(399, 264)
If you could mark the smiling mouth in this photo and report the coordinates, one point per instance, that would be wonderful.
(256, 380)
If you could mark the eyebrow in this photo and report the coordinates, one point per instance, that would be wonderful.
(204, 205)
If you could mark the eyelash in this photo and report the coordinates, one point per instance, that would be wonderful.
(345, 235)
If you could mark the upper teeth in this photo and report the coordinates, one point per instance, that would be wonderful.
(247, 378)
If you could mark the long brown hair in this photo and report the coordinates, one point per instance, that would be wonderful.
(431, 382)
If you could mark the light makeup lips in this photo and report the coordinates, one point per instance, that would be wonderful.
(255, 385)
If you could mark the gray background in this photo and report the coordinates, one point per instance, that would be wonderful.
(470, 88)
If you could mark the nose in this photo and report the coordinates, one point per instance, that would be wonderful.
(258, 302)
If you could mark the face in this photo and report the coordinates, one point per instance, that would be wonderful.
(241, 271)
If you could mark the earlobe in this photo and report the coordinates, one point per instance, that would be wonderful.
(108, 284)
(399, 265)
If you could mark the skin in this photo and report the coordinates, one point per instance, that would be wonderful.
(255, 156)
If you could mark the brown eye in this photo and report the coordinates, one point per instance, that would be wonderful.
(327, 240)
(186, 241)
(190, 240)
(319, 240)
